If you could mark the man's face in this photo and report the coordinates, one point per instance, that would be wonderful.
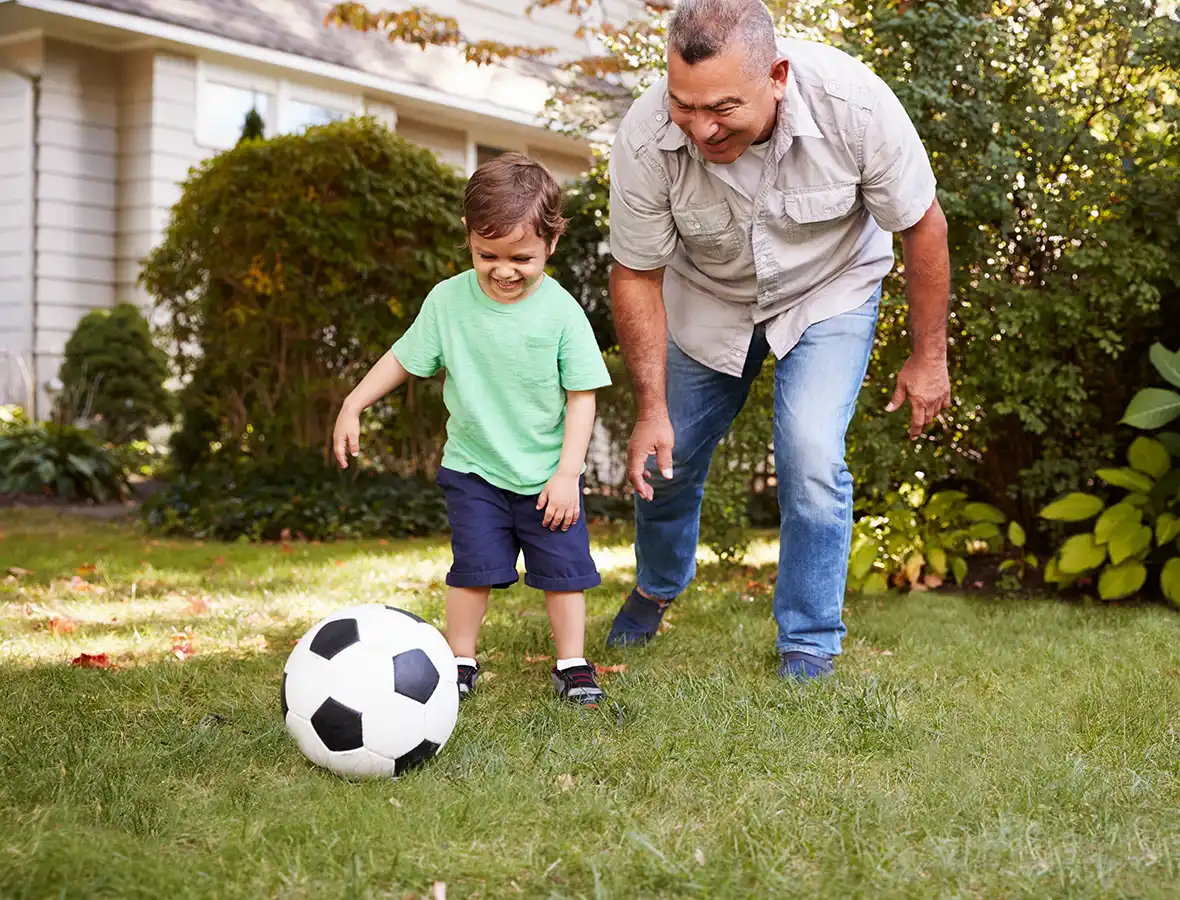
(720, 105)
(510, 267)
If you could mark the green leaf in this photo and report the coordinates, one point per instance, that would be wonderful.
(1128, 539)
(936, 557)
(1139, 501)
(1166, 363)
(1054, 575)
(1170, 580)
(983, 512)
(862, 560)
(958, 568)
(940, 503)
(1167, 488)
(875, 585)
(1075, 507)
(1031, 559)
(1119, 582)
(1008, 565)
(1114, 516)
(1128, 479)
(1149, 457)
(1080, 553)
(983, 531)
(1016, 534)
(1167, 528)
(1171, 440)
(1152, 408)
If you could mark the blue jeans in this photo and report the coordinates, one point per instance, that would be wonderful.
(815, 390)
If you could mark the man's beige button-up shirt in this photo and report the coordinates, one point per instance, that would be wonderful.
(845, 168)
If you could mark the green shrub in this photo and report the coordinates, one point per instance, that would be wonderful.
(920, 541)
(255, 501)
(1139, 532)
(61, 461)
(289, 266)
(113, 376)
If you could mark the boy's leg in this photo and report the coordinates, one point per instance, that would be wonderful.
(484, 548)
(559, 563)
(702, 404)
(567, 618)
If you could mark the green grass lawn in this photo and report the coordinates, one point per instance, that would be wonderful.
(970, 748)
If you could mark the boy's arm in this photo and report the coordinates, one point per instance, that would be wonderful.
(387, 375)
(579, 425)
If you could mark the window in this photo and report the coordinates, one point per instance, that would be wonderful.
(298, 115)
(485, 153)
(223, 112)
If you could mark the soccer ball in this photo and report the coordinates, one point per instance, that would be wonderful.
(370, 691)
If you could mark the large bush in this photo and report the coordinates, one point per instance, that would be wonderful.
(1055, 135)
(60, 461)
(288, 267)
(113, 375)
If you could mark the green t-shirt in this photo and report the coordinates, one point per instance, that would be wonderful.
(508, 367)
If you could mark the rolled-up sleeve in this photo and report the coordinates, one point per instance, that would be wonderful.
(642, 230)
(897, 182)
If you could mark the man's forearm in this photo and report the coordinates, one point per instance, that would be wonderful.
(579, 426)
(928, 283)
(637, 303)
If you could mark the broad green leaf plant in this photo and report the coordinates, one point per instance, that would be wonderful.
(1138, 533)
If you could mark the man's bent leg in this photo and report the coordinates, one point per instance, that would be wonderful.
(816, 388)
(702, 404)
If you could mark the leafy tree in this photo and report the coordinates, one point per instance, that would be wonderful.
(288, 267)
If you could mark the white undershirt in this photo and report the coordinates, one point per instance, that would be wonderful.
(745, 172)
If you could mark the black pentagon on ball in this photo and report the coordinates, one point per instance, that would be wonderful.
(407, 613)
(283, 694)
(338, 726)
(335, 636)
(414, 675)
(425, 751)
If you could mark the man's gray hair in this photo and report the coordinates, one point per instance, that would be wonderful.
(702, 29)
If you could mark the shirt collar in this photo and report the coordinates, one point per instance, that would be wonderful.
(794, 120)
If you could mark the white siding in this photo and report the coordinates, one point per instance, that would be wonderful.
(76, 194)
(17, 381)
(449, 144)
(565, 167)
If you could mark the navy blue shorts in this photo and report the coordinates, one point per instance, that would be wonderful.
(491, 526)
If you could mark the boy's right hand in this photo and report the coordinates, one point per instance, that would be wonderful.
(346, 439)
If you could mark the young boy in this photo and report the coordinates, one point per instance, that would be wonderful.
(521, 366)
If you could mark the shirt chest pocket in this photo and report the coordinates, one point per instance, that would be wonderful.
(804, 213)
(535, 359)
(708, 231)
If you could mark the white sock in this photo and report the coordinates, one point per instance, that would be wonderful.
(466, 661)
(563, 664)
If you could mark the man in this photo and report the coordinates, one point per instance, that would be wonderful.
(754, 193)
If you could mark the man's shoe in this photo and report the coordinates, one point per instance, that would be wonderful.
(798, 666)
(578, 684)
(637, 621)
(467, 676)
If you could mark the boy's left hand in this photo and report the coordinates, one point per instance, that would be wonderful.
(561, 502)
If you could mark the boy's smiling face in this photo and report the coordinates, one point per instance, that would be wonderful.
(509, 268)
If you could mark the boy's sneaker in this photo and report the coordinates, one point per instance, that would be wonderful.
(467, 676)
(794, 665)
(637, 621)
(578, 684)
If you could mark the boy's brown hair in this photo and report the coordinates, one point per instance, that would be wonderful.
(513, 190)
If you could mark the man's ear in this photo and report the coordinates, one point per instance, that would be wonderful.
(778, 75)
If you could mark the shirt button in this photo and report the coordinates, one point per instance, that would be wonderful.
(659, 117)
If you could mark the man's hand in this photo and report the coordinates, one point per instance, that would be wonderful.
(925, 382)
(347, 435)
(561, 502)
(652, 436)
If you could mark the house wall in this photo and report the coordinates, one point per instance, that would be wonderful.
(17, 160)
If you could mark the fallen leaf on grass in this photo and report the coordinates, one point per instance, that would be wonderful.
(439, 889)
(699, 856)
(82, 586)
(219, 561)
(565, 782)
(62, 625)
(621, 669)
(286, 548)
(91, 661)
(198, 605)
(529, 658)
(182, 644)
(18, 572)
(87, 568)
